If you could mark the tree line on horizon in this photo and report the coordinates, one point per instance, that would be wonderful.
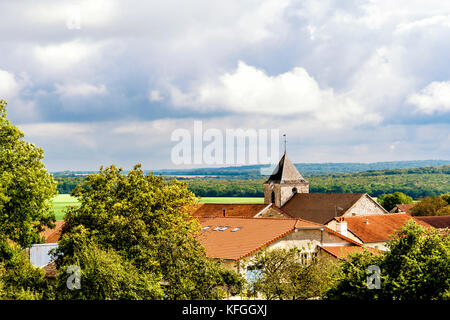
(414, 182)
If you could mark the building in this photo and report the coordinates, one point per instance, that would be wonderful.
(234, 240)
(372, 231)
(402, 208)
(286, 195)
(439, 222)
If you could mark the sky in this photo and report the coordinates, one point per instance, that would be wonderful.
(101, 82)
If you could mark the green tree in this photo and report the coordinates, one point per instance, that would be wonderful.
(280, 274)
(415, 267)
(19, 279)
(430, 206)
(104, 274)
(146, 220)
(389, 201)
(26, 188)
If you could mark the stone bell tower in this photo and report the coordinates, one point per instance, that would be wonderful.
(284, 182)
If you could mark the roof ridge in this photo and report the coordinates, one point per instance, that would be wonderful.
(247, 218)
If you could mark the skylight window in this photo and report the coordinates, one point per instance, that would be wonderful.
(206, 228)
(217, 228)
(236, 229)
(223, 228)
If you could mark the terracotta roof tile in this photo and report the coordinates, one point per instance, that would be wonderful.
(439, 222)
(320, 207)
(231, 210)
(253, 235)
(50, 270)
(379, 227)
(341, 252)
(52, 235)
(406, 208)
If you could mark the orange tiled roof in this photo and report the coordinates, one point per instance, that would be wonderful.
(342, 251)
(52, 235)
(380, 226)
(439, 222)
(404, 208)
(253, 235)
(231, 210)
(50, 270)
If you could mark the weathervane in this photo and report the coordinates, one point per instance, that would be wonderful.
(285, 142)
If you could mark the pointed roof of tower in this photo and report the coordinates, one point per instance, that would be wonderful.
(285, 172)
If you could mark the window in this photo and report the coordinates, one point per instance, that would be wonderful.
(206, 228)
(217, 228)
(304, 259)
(236, 229)
(223, 228)
(273, 197)
(294, 191)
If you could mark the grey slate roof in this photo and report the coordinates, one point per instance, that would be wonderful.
(285, 172)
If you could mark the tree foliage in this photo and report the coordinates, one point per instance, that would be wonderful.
(26, 188)
(19, 279)
(416, 267)
(280, 274)
(146, 221)
(389, 201)
(104, 274)
(432, 206)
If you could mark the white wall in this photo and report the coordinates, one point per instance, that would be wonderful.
(39, 253)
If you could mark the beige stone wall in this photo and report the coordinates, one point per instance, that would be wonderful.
(283, 191)
(364, 207)
(333, 226)
(272, 213)
(377, 245)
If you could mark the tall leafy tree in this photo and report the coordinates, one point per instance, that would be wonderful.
(416, 267)
(389, 201)
(280, 274)
(146, 220)
(26, 188)
(431, 206)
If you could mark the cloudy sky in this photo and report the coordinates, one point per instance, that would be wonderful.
(98, 82)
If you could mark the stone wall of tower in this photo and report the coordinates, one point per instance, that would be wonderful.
(283, 191)
(286, 190)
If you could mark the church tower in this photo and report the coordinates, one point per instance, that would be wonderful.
(284, 182)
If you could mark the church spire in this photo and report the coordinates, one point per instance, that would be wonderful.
(284, 183)
(285, 172)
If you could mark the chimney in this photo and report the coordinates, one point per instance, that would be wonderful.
(341, 227)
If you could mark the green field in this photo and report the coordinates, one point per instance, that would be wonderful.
(61, 201)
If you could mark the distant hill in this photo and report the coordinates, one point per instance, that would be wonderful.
(416, 182)
(307, 169)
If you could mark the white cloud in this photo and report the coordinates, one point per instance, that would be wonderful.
(81, 89)
(435, 97)
(8, 85)
(438, 20)
(250, 90)
(64, 56)
(155, 95)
